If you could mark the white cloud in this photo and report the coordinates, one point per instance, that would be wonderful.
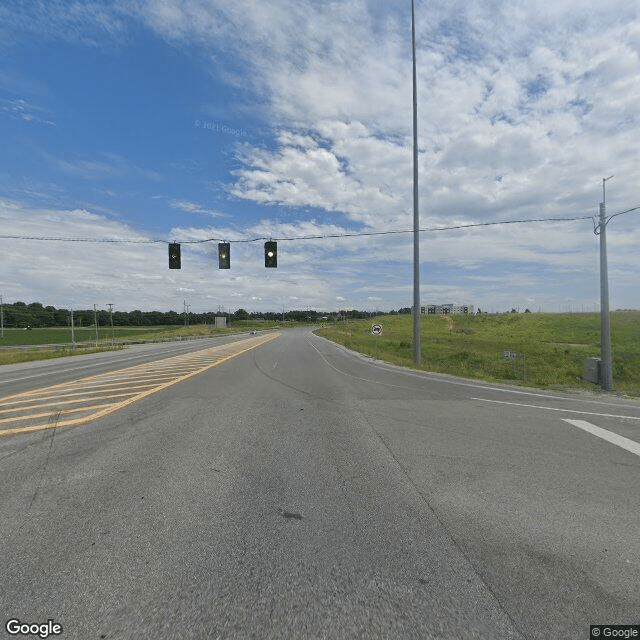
(315, 273)
(106, 166)
(21, 109)
(193, 207)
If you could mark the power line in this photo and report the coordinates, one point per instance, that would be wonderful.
(112, 240)
(597, 223)
(309, 237)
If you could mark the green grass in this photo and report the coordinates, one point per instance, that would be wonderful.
(62, 335)
(550, 348)
(13, 356)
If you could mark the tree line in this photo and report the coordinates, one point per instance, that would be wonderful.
(22, 315)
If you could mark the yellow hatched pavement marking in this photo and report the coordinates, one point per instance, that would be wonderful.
(173, 370)
(19, 403)
(48, 415)
(61, 402)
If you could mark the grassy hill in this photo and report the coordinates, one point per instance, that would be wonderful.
(545, 350)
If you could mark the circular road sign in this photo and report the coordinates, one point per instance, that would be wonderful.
(376, 329)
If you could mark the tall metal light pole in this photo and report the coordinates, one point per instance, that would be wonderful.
(606, 374)
(416, 212)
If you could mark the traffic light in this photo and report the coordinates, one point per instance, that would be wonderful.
(174, 255)
(224, 255)
(271, 254)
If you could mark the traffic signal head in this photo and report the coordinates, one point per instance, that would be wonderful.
(271, 254)
(224, 255)
(174, 255)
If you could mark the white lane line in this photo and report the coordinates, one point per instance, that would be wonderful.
(613, 438)
(537, 406)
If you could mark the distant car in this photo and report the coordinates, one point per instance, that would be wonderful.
(254, 332)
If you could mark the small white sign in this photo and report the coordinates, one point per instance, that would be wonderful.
(376, 329)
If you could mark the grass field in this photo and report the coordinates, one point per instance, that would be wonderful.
(545, 350)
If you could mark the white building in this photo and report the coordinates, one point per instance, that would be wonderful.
(448, 309)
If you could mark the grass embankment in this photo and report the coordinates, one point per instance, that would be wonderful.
(85, 337)
(549, 349)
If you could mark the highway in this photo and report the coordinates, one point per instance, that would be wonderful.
(302, 491)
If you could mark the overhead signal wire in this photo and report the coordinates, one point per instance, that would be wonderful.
(307, 237)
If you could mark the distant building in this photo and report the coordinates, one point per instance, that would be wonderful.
(448, 309)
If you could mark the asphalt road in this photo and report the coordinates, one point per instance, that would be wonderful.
(300, 491)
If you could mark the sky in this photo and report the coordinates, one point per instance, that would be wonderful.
(199, 121)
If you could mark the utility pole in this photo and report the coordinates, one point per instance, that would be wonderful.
(110, 305)
(95, 320)
(1, 318)
(186, 311)
(416, 212)
(73, 340)
(606, 374)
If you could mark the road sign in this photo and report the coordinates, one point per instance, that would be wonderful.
(376, 329)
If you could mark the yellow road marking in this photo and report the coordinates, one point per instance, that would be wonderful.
(174, 369)
(19, 403)
(56, 404)
(48, 414)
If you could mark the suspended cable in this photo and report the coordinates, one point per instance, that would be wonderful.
(354, 234)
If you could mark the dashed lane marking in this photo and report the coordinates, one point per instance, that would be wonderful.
(82, 401)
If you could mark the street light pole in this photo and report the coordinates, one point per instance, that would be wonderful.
(606, 374)
(416, 211)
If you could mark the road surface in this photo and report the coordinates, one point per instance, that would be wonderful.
(301, 491)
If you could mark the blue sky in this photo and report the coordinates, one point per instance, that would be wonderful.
(157, 120)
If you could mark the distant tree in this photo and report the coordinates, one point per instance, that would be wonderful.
(241, 314)
(61, 317)
(172, 317)
(527, 311)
